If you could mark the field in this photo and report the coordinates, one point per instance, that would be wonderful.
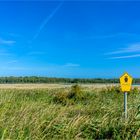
(42, 112)
(51, 86)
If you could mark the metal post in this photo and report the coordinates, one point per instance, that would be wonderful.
(125, 105)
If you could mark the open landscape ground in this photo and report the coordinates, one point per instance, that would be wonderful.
(57, 111)
(50, 86)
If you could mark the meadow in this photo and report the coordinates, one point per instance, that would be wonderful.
(42, 112)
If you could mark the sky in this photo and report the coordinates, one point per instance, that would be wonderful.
(75, 39)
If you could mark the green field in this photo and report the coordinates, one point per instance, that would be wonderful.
(68, 113)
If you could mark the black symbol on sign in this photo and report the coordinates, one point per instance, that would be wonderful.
(126, 79)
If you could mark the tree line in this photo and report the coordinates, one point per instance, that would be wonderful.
(35, 79)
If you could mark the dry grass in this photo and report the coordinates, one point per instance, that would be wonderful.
(51, 86)
(32, 86)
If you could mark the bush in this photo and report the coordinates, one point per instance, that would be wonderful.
(61, 97)
(70, 97)
(112, 89)
(75, 92)
(135, 90)
(117, 89)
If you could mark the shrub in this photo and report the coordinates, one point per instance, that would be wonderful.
(61, 97)
(117, 90)
(112, 89)
(135, 90)
(70, 97)
(75, 92)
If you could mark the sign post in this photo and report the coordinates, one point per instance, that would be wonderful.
(125, 82)
(125, 104)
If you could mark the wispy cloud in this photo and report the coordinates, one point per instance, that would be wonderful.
(71, 65)
(114, 35)
(125, 56)
(4, 53)
(43, 24)
(36, 53)
(6, 42)
(129, 49)
(10, 34)
(15, 68)
(12, 61)
(14, 35)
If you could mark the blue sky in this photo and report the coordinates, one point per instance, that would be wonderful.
(84, 39)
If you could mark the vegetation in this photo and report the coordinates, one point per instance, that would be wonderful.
(68, 113)
(35, 79)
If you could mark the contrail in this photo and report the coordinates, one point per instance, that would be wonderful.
(47, 20)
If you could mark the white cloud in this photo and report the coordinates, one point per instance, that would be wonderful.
(36, 53)
(71, 65)
(6, 42)
(10, 34)
(115, 35)
(125, 56)
(12, 61)
(4, 53)
(15, 68)
(13, 35)
(131, 48)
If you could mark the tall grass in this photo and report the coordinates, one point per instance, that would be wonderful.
(71, 113)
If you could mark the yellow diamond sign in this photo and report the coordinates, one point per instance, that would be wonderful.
(126, 82)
